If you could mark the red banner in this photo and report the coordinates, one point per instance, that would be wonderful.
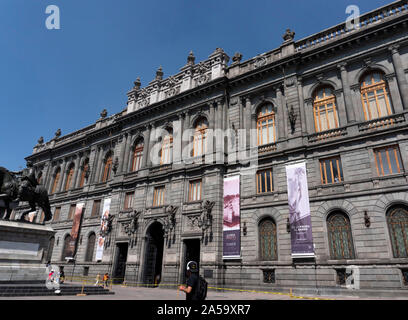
(74, 231)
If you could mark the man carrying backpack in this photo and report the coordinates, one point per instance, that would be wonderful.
(196, 289)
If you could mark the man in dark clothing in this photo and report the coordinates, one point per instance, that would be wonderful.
(192, 281)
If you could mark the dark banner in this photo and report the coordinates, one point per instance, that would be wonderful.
(75, 230)
(299, 211)
(231, 219)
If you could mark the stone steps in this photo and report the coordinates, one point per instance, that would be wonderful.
(19, 290)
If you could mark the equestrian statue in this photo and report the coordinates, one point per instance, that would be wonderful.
(21, 186)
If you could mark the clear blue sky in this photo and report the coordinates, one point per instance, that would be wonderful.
(52, 79)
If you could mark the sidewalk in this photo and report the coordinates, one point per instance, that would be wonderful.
(139, 293)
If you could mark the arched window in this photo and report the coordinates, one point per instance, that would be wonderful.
(266, 125)
(65, 250)
(340, 238)
(85, 168)
(267, 240)
(90, 247)
(137, 155)
(324, 109)
(397, 219)
(200, 137)
(167, 148)
(375, 96)
(107, 169)
(56, 180)
(70, 174)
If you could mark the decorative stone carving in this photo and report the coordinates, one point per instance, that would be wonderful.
(104, 113)
(289, 82)
(292, 119)
(259, 62)
(40, 141)
(137, 84)
(288, 36)
(130, 226)
(237, 57)
(57, 134)
(191, 59)
(170, 220)
(159, 73)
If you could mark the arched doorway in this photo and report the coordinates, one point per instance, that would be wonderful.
(153, 254)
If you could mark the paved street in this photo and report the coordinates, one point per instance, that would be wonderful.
(138, 293)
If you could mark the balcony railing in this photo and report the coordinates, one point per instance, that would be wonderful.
(366, 20)
(381, 123)
(326, 135)
(267, 148)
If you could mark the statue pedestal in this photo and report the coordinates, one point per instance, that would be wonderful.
(23, 251)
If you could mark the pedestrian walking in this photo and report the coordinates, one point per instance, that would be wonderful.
(105, 280)
(98, 277)
(191, 287)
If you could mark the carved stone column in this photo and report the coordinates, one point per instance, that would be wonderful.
(186, 137)
(127, 153)
(122, 152)
(63, 174)
(401, 77)
(281, 113)
(350, 107)
(247, 120)
(341, 109)
(77, 170)
(308, 103)
(98, 165)
(146, 148)
(303, 121)
(177, 138)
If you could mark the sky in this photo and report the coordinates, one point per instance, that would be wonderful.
(51, 79)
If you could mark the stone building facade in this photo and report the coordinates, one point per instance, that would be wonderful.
(337, 100)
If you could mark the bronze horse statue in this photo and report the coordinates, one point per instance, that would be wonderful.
(11, 192)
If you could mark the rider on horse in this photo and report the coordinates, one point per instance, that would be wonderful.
(28, 181)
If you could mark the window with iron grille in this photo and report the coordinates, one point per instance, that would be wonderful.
(388, 160)
(340, 237)
(269, 276)
(57, 212)
(331, 170)
(71, 211)
(158, 196)
(138, 155)
(264, 181)
(375, 96)
(267, 240)
(128, 200)
(86, 271)
(96, 208)
(194, 192)
(397, 218)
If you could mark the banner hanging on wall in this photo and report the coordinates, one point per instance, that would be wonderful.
(231, 218)
(101, 239)
(72, 244)
(299, 211)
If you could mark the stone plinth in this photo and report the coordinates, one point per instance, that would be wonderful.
(23, 250)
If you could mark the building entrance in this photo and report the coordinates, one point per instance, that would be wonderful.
(191, 253)
(120, 262)
(153, 254)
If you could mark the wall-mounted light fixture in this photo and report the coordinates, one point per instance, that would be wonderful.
(244, 229)
(287, 226)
